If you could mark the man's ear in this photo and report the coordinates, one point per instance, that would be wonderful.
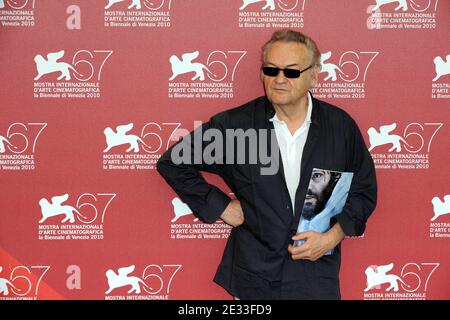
(315, 75)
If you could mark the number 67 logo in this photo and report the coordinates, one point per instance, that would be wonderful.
(20, 136)
(56, 207)
(410, 279)
(22, 281)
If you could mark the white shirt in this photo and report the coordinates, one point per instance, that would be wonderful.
(291, 149)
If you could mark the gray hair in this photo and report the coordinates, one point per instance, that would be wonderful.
(288, 35)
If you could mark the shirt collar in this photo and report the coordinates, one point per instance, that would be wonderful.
(308, 113)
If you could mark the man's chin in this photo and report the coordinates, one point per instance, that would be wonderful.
(308, 211)
(280, 98)
(280, 102)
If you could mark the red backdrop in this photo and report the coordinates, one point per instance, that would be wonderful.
(73, 71)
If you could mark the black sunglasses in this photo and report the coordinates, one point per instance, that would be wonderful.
(288, 73)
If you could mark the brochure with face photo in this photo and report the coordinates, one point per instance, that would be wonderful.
(325, 198)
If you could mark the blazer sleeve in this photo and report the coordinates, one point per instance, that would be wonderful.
(362, 197)
(205, 200)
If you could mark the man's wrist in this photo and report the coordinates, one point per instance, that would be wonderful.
(336, 235)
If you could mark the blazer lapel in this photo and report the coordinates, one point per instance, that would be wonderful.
(278, 180)
(308, 150)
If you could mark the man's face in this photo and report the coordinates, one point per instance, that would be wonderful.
(316, 197)
(282, 91)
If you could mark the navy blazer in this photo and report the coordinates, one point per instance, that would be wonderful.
(256, 263)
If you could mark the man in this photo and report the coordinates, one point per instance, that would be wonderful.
(259, 261)
(319, 190)
(325, 198)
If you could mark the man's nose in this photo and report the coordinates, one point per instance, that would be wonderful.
(280, 78)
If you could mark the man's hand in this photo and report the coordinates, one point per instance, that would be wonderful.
(233, 214)
(316, 244)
